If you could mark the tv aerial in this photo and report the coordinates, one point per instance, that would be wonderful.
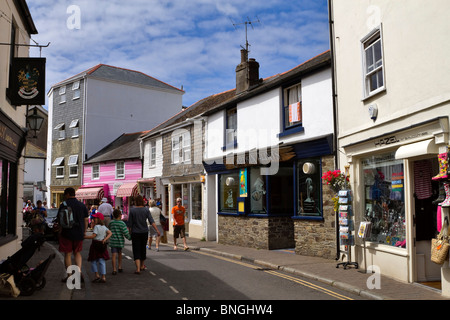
(246, 23)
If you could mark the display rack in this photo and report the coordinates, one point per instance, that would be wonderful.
(346, 226)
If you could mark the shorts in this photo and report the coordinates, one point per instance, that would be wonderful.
(179, 230)
(116, 250)
(69, 246)
(153, 232)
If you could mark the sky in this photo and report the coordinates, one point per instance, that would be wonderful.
(193, 44)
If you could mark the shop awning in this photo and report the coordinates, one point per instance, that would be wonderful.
(127, 190)
(417, 149)
(90, 193)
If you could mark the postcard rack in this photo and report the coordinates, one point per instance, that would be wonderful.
(346, 227)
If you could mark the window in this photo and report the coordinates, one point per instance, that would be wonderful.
(58, 161)
(228, 192)
(181, 147)
(59, 164)
(257, 192)
(384, 195)
(372, 47)
(281, 196)
(152, 157)
(95, 171)
(62, 94)
(292, 106)
(120, 170)
(59, 172)
(75, 128)
(309, 186)
(76, 90)
(73, 166)
(196, 201)
(231, 128)
(61, 131)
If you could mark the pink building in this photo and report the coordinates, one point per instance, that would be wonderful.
(113, 173)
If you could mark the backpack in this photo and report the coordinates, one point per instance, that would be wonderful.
(65, 215)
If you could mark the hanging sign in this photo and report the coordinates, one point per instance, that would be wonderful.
(27, 81)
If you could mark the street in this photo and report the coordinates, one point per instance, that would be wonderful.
(195, 275)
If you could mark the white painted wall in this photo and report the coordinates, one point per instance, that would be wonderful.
(114, 108)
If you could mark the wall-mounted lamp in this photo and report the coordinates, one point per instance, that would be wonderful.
(34, 122)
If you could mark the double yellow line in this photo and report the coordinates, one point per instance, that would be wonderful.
(281, 275)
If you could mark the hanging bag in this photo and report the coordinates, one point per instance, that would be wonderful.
(440, 245)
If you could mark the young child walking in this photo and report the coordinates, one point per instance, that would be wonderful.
(98, 251)
(119, 233)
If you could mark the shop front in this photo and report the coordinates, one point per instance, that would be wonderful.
(92, 195)
(284, 209)
(190, 189)
(124, 197)
(12, 142)
(395, 193)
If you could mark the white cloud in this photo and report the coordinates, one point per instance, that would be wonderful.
(182, 42)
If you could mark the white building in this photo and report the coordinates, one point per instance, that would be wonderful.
(259, 146)
(393, 105)
(89, 110)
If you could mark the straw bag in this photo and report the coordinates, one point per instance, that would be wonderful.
(440, 245)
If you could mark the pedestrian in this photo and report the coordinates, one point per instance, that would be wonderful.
(39, 213)
(106, 209)
(156, 214)
(178, 213)
(119, 233)
(71, 240)
(139, 215)
(98, 251)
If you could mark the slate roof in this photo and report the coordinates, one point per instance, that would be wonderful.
(107, 72)
(125, 147)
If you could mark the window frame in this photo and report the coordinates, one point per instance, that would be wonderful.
(367, 43)
(152, 154)
(230, 144)
(181, 147)
(95, 174)
(76, 129)
(297, 127)
(120, 175)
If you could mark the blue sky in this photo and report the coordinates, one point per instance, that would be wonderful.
(189, 43)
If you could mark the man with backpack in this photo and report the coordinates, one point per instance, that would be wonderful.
(73, 218)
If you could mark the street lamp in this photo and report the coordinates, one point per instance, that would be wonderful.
(34, 122)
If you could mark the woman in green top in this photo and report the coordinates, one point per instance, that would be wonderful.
(117, 241)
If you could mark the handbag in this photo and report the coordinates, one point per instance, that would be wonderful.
(440, 245)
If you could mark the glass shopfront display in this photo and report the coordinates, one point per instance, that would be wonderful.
(228, 192)
(384, 196)
(309, 187)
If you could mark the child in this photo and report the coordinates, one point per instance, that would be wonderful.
(98, 251)
(119, 232)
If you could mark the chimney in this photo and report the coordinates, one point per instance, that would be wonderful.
(247, 73)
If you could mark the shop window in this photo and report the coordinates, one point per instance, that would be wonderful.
(228, 192)
(373, 65)
(196, 194)
(258, 192)
(309, 186)
(385, 199)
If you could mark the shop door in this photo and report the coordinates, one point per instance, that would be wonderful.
(426, 192)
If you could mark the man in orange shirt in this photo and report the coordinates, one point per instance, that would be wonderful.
(178, 213)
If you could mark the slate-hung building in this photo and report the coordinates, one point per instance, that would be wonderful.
(266, 149)
(16, 27)
(89, 110)
(393, 107)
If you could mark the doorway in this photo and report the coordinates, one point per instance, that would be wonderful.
(426, 199)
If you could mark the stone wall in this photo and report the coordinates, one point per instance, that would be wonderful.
(256, 232)
(318, 238)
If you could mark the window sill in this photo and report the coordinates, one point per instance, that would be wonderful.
(290, 131)
(309, 218)
(374, 93)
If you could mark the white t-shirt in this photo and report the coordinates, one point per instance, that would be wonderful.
(100, 232)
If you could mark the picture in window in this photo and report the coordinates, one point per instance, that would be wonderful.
(309, 188)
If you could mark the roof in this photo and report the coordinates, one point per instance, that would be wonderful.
(320, 61)
(192, 111)
(107, 72)
(125, 147)
(24, 11)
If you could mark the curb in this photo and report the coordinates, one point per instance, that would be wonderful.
(340, 285)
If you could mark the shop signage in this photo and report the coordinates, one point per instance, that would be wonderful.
(12, 138)
(27, 81)
(395, 139)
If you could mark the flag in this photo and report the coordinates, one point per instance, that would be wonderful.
(295, 113)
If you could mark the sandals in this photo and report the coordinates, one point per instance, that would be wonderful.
(99, 280)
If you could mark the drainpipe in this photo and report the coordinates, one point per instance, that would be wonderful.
(335, 122)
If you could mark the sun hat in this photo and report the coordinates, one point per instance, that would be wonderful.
(98, 215)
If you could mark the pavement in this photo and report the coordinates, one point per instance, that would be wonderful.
(323, 270)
